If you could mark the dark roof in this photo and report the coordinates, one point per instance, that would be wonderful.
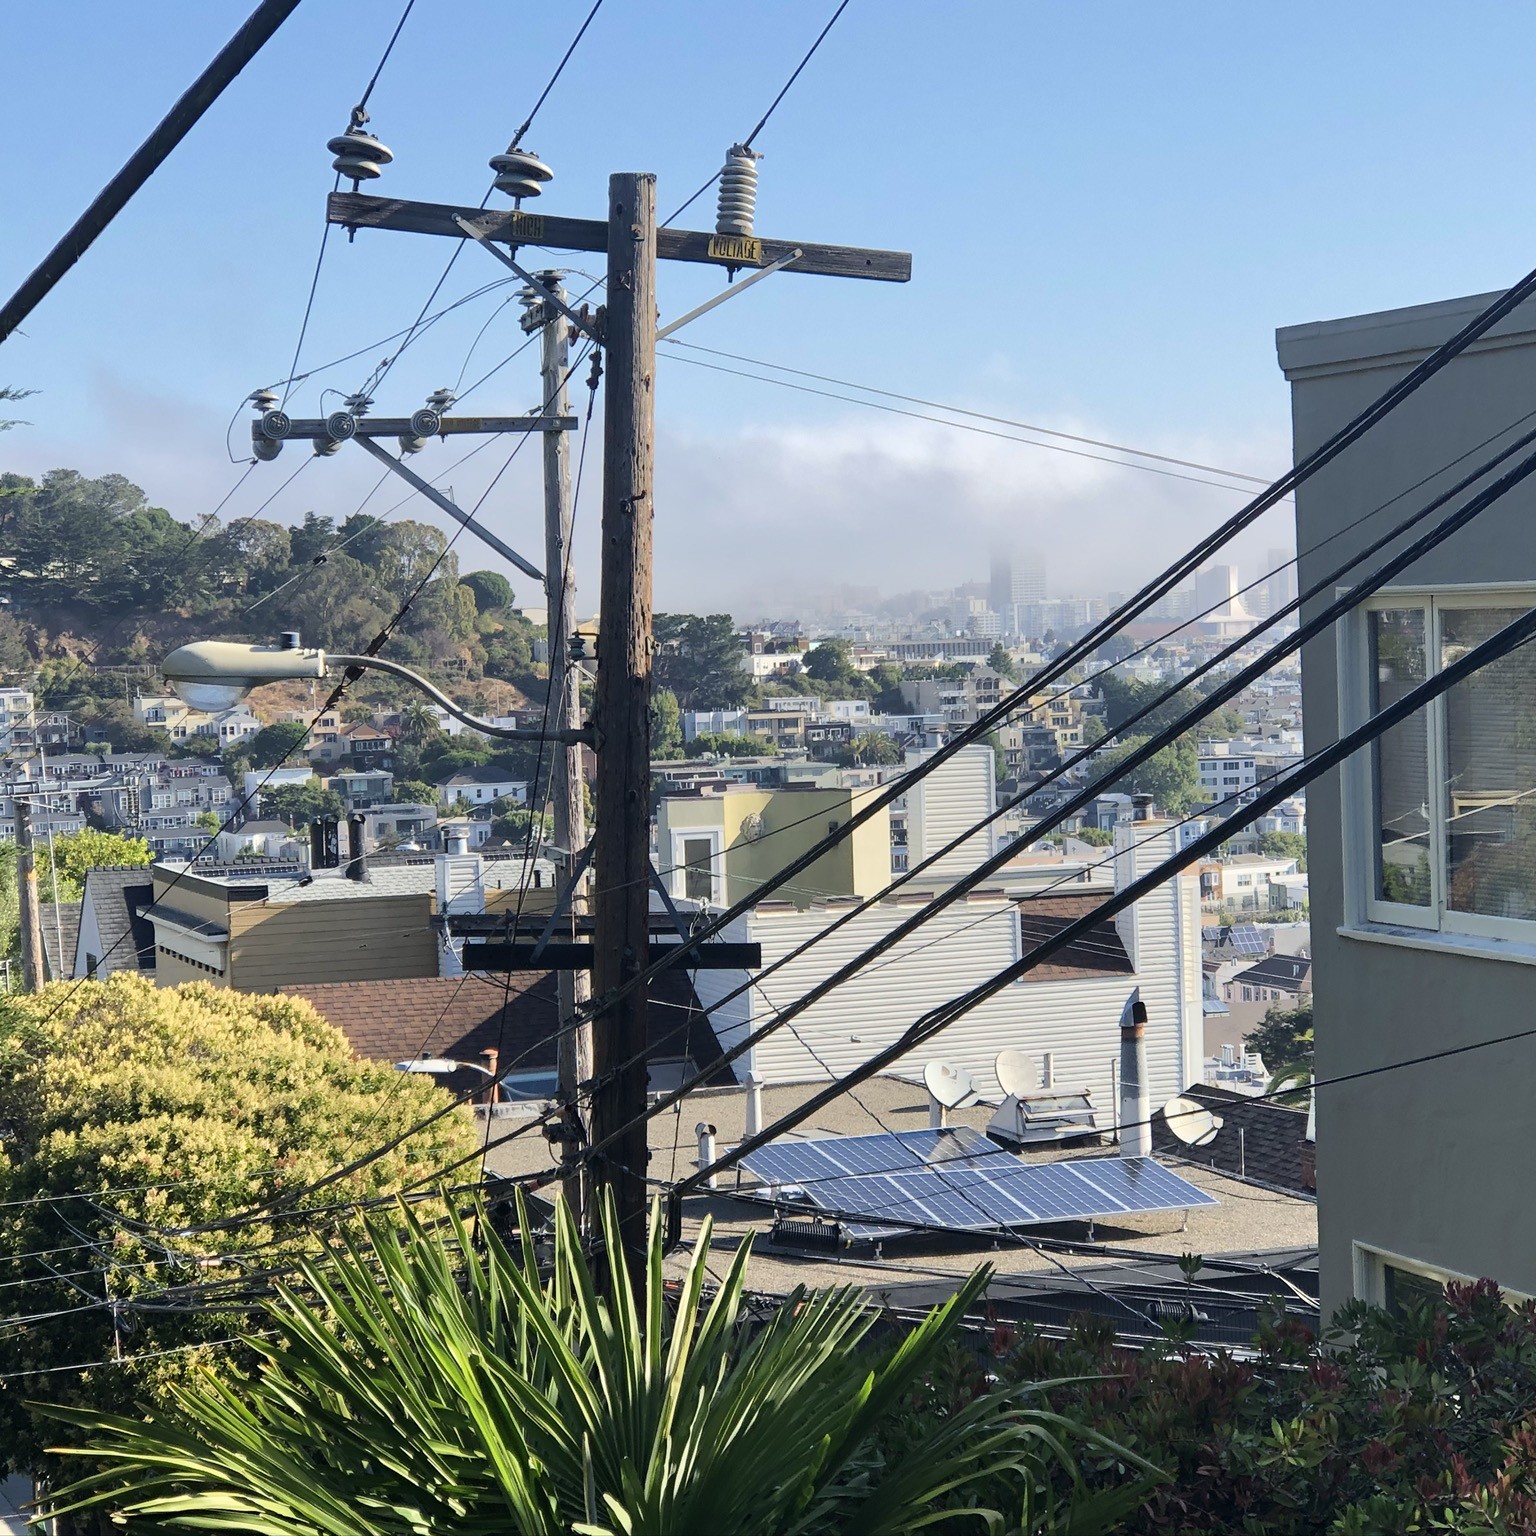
(118, 894)
(62, 918)
(1268, 1148)
(1287, 972)
(1099, 952)
(458, 1017)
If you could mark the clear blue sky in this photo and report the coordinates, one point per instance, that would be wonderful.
(1110, 208)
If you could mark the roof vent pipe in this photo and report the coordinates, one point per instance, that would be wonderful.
(754, 1104)
(357, 866)
(706, 1135)
(1135, 1101)
(458, 840)
(1141, 807)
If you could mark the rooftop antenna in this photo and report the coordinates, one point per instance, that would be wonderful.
(949, 1086)
(1191, 1121)
(1014, 1070)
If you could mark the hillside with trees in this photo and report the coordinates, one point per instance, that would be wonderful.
(94, 572)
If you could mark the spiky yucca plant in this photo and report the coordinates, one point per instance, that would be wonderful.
(424, 1382)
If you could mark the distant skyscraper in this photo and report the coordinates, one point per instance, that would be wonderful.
(1216, 590)
(1280, 581)
(1014, 581)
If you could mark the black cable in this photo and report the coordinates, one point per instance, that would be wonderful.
(762, 122)
(1518, 633)
(1149, 594)
(389, 48)
(252, 36)
(565, 59)
(1154, 743)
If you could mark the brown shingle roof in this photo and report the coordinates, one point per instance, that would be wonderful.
(1258, 1139)
(458, 1017)
(1097, 953)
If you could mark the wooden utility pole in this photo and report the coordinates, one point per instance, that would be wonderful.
(566, 777)
(32, 974)
(622, 841)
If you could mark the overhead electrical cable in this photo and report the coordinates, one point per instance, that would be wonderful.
(1083, 648)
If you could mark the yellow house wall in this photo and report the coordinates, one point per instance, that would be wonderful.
(793, 821)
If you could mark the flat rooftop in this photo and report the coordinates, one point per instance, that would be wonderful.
(1247, 1219)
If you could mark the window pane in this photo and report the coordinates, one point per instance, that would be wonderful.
(1406, 1290)
(1490, 767)
(1400, 760)
(698, 876)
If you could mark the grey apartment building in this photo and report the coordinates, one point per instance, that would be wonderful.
(1422, 849)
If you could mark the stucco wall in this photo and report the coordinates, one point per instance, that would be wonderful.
(1432, 1163)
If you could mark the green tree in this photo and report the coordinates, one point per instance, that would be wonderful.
(666, 724)
(869, 749)
(1095, 837)
(430, 1384)
(700, 660)
(729, 744)
(74, 853)
(273, 745)
(1001, 662)
(831, 662)
(517, 823)
(1285, 845)
(492, 591)
(1283, 1037)
(10, 392)
(300, 804)
(191, 1105)
(413, 792)
(1171, 776)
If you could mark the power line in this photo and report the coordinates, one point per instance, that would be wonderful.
(146, 159)
(762, 122)
(959, 410)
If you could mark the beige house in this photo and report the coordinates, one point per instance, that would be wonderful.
(256, 935)
(718, 844)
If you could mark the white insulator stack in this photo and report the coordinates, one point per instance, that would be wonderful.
(737, 208)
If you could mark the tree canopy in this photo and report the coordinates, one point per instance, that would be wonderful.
(275, 744)
(699, 659)
(186, 1106)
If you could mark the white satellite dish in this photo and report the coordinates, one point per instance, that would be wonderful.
(1191, 1121)
(1015, 1073)
(950, 1085)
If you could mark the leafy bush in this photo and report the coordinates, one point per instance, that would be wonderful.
(1419, 1422)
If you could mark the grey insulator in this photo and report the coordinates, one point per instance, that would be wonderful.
(339, 426)
(326, 446)
(520, 174)
(424, 425)
(267, 448)
(359, 156)
(275, 424)
(737, 207)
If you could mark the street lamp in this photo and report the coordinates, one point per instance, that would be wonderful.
(217, 674)
(443, 1066)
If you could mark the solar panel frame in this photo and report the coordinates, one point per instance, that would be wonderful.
(979, 1187)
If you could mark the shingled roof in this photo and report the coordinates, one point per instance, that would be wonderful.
(1097, 953)
(61, 931)
(1287, 973)
(1257, 1140)
(118, 894)
(458, 1017)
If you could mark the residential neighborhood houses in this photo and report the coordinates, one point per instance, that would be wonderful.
(943, 944)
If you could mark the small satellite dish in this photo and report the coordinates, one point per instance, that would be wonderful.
(1191, 1121)
(1015, 1073)
(949, 1084)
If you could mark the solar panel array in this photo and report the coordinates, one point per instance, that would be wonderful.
(955, 1179)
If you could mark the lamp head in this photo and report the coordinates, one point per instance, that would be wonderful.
(216, 674)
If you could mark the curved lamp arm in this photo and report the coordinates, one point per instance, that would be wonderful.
(215, 674)
(441, 699)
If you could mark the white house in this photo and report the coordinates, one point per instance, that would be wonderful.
(480, 786)
(1068, 1009)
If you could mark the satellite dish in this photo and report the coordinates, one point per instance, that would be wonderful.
(1191, 1121)
(1015, 1072)
(949, 1084)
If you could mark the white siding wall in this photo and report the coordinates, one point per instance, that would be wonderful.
(1076, 1020)
(943, 805)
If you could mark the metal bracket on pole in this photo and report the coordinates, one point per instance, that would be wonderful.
(660, 887)
(729, 293)
(583, 323)
(578, 869)
(437, 498)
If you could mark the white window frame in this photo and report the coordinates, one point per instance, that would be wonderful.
(1370, 1273)
(1360, 818)
(681, 836)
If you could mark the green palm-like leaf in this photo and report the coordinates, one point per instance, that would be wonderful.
(422, 1382)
